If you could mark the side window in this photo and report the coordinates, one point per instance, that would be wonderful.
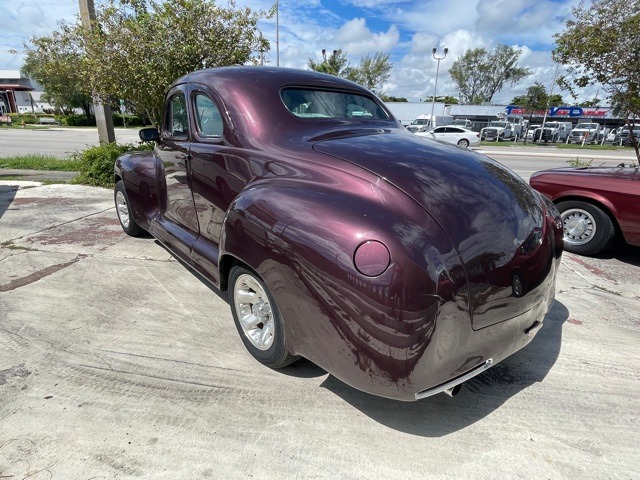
(439, 130)
(208, 118)
(177, 125)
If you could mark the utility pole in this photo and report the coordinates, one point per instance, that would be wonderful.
(104, 120)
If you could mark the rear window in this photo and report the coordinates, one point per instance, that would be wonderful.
(308, 103)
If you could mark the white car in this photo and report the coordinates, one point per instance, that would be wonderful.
(456, 135)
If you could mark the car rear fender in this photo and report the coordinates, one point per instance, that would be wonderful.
(302, 240)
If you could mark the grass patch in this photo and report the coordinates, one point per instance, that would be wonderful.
(574, 146)
(40, 162)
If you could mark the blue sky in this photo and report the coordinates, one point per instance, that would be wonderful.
(406, 29)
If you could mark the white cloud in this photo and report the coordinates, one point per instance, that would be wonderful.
(436, 16)
(355, 38)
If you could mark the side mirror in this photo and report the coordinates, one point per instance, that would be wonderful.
(149, 134)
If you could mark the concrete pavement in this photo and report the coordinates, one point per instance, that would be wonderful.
(117, 362)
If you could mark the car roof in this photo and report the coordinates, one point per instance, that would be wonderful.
(251, 99)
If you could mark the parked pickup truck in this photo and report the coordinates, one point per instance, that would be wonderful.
(623, 138)
(497, 131)
(587, 133)
(552, 132)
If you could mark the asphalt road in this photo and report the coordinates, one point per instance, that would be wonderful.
(117, 362)
(56, 142)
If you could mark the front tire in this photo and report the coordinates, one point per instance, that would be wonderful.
(258, 319)
(123, 209)
(587, 228)
(463, 142)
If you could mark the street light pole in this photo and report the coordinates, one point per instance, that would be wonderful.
(435, 88)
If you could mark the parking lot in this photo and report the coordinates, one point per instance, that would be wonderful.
(117, 362)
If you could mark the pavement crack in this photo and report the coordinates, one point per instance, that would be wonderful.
(6, 330)
(591, 283)
(39, 275)
(102, 360)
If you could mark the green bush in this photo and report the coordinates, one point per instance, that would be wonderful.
(78, 121)
(96, 163)
(17, 119)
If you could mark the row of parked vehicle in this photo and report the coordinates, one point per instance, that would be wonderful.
(560, 132)
(584, 132)
(459, 132)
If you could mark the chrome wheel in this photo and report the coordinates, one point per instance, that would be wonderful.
(123, 209)
(253, 311)
(578, 225)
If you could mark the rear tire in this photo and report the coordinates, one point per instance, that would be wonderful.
(587, 228)
(123, 209)
(258, 319)
(463, 142)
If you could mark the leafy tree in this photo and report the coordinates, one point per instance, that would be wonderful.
(388, 98)
(448, 99)
(600, 46)
(590, 103)
(551, 100)
(55, 62)
(479, 74)
(371, 73)
(535, 100)
(141, 46)
(335, 64)
(556, 100)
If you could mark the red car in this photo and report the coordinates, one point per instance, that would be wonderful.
(596, 204)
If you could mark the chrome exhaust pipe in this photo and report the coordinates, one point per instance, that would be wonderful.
(453, 391)
(454, 386)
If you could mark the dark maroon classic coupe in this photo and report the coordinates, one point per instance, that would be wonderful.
(595, 203)
(400, 265)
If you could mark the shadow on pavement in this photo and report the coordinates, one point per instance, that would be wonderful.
(441, 415)
(7, 194)
(622, 252)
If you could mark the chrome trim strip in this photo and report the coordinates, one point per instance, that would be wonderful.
(456, 381)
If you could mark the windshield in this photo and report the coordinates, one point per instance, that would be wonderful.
(588, 126)
(420, 121)
(498, 124)
(551, 125)
(306, 103)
